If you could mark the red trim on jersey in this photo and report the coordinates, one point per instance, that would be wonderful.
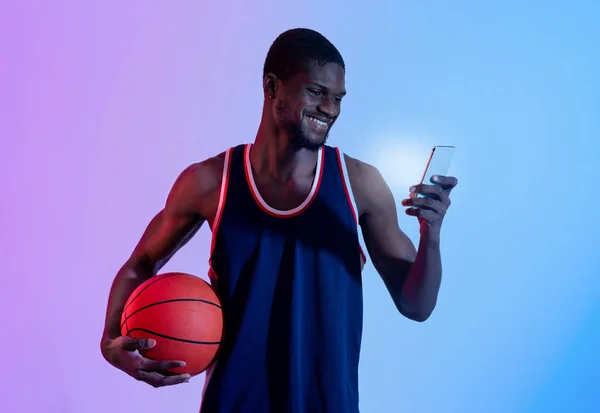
(349, 198)
(219, 213)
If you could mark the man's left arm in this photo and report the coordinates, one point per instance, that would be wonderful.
(412, 276)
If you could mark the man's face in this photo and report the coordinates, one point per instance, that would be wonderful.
(309, 103)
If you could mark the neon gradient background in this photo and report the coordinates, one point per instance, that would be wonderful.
(104, 103)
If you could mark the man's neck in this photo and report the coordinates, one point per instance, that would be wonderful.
(273, 154)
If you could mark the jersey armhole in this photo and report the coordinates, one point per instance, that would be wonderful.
(351, 202)
(219, 213)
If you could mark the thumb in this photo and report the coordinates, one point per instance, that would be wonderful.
(131, 344)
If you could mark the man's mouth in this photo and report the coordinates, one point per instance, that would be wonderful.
(319, 122)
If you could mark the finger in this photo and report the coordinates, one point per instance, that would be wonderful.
(131, 344)
(426, 214)
(432, 191)
(425, 203)
(158, 380)
(160, 365)
(435, 192)
(446, 182)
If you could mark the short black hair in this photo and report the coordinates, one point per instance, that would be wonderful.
(294, 50)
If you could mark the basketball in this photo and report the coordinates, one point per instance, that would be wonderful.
(182, 313)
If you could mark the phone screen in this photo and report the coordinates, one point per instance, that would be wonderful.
(438, 163)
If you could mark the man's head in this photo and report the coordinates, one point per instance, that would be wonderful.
(304, 83)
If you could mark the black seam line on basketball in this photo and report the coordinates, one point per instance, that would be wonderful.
(166, 302)
(157, 279)
(174, 338)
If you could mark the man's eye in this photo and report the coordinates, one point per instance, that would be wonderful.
(315, 92)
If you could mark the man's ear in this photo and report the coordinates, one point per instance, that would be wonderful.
(270, 83)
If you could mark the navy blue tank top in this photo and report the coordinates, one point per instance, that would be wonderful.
(291, 290)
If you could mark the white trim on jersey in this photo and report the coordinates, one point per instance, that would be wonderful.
(263, 204)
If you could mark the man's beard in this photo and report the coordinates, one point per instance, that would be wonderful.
(300, 138)
(299, 134)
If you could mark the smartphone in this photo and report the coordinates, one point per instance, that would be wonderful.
(438, 164)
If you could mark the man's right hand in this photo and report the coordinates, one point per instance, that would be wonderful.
(123, 353)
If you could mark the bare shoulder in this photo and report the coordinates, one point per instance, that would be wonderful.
(197, 188)
(368, 185)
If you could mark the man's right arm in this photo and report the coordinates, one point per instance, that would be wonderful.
(159, 242)
(190, 203)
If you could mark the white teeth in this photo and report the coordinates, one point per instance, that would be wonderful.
(317, 121)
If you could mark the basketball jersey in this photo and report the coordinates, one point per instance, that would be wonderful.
(291, 292)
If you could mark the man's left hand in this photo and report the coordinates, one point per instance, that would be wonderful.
(431, 209)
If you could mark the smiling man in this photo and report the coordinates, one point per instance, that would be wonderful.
(286, 261)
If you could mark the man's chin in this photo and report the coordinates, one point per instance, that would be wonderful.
(312, 143)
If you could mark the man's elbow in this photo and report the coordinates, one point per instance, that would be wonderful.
(419, 315)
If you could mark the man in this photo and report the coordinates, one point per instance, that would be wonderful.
(285, 257)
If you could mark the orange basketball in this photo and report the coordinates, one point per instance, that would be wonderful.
(182, 313)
